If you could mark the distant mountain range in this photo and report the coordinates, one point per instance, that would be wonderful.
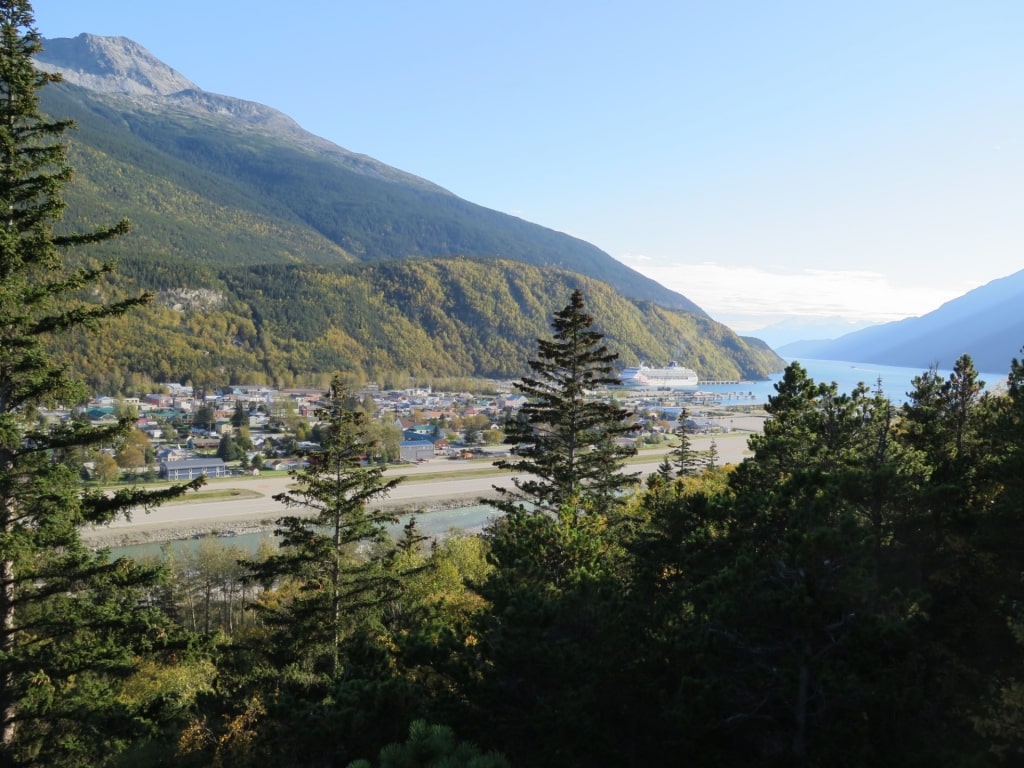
(386, 273)
(986, 323)
(794, 329)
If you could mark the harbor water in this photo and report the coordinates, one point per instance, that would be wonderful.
(896, 382)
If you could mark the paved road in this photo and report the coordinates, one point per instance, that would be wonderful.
(256, 503)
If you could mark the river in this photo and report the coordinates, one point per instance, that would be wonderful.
(432, 523)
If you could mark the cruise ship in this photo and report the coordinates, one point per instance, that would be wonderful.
(672, 376)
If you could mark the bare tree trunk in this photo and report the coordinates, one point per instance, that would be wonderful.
(336, 597)
(800, 710)
(207, 597)
(8, 702)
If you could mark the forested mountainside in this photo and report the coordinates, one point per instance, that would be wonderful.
(278, 256)
(426, 318)
(206, 176)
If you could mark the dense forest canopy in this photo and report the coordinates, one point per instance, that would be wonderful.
(427, 318)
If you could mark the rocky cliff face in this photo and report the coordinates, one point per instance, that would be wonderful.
(111, 65)
(117, 66)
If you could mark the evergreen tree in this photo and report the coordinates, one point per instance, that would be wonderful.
(564, 438)
(1003, 530)
(712, 456)
(332, 561)
(794, 600)
(434, 746)
(965, 549)
(69, 619)
(683, 458)
(322, 666)
(1009, 431)
(228, 449)
(203, 418)
(945, 420)
(551, 645)
(664, 471)
(240, 417)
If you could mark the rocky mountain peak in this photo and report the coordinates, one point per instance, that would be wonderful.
(119, 68)
(111, 65)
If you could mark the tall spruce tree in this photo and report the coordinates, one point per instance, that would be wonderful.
(945, 420)
(966, 549)
(322, 669)
(551, 649)
(685, 460)
(565, 439)
(332, 560)
(69, 618)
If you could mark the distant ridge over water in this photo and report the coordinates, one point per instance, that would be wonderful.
(986, 323)
(896, 380)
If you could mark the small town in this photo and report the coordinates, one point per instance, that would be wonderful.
(180, 434)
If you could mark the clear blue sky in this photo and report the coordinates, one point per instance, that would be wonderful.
(766, 159)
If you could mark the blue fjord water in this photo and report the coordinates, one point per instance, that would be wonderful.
(896, 382)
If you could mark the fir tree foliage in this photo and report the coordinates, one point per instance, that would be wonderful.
(434, 746)
(682, 456)
(565, 439)
(554, 553)
(712, 456)
(333, 559)
(946, 420)
(69, 619)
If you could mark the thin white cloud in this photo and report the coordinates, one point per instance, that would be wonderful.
(635, 259)
(749, 296)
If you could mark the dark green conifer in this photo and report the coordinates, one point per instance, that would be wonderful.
(69, 619)
(552, 633)
(332, 558)
(683, 458)
(566, 441)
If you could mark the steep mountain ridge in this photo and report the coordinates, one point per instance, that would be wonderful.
(111, 65)
(985, 323)
(131, 77)
(215, 185)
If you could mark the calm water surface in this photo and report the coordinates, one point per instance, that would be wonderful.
(896, 382)
(435, 523)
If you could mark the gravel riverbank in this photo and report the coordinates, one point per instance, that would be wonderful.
(139, 531)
